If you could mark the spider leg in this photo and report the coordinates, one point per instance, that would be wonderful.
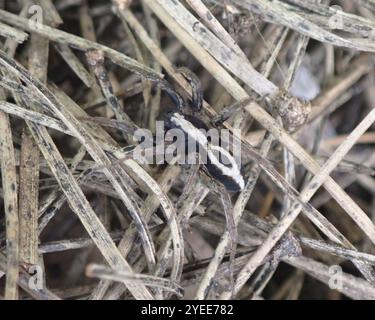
(172, 93)
(196, 86)
(192, 176)
(229, 111)
(231, 227)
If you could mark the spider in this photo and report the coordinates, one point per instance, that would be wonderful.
(226, 173)
(219, 162)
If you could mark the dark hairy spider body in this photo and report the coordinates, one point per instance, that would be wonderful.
(218, 161)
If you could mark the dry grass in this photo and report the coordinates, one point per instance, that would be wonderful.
(96, 224)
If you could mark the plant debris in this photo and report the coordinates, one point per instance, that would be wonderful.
(84, 216)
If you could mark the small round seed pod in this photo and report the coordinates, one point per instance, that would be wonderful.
(293, 111)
